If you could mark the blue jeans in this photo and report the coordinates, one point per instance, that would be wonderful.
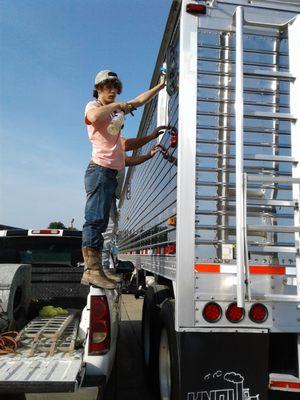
(100, 185)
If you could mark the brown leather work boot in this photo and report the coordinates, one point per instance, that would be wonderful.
(113, 275)
(93, 273)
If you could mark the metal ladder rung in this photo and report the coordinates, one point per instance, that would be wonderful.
(270, 115)
(275, 203)
(277, 179)
(266, 157)
(270, 74)
(248, 157)
(250, 193)
(274, 228)
(273, 249)
(265, 24)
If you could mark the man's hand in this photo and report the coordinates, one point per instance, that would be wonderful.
(163, 80)
(158, 131)
(125, 107)
(154, 149)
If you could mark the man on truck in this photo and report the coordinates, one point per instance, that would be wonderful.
(108, 157)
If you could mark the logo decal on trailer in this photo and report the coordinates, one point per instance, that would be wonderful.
(233, 388)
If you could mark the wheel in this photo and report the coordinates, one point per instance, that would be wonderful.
(169, 376)
(154, 296)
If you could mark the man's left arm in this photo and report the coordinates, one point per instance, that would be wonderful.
(131, 161)
(134, 144)
(145, 97)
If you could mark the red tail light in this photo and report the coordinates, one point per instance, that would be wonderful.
(258, 313)
(212, 312)
(234, 313)
(44, 232)
(99, 333)
(196, 8)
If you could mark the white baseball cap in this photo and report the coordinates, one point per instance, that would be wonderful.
(104, 75)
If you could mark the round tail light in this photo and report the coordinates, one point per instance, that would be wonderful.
(258, 313)
(212, 312)
(234, 313)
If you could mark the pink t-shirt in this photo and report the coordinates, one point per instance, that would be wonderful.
(107, 149)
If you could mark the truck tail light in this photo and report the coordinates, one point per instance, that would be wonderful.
(258, 313)
(99, 332)
(234, 313)
(193, 8)
(51, 232)
(212, 312)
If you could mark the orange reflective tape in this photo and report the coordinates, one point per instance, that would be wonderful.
(266, 270)
(215, 268)
(286, 385)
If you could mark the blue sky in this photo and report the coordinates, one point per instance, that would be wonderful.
(51, 52)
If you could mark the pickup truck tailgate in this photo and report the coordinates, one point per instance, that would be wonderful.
(39, 375)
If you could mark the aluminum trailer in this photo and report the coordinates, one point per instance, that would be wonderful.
(217, 221)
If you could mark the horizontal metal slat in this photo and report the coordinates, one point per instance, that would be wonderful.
(271, 74)
(249, 144)
(275, 203)
(273, 249)
(252, 201)
(230, 229)
(247, 129)
(248, 157)
(256, 50)
(266, 157)
(273, 228)
(231, 187)
(270, 115)
(263, 91)
(251, 213)
(276, 179)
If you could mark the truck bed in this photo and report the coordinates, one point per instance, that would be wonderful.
(47, 358)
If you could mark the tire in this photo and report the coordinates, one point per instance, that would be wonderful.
(154, 296)
(169, 371)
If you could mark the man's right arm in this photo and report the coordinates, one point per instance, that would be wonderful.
(99, 114)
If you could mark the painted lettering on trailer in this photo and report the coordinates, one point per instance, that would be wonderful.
(236, 392)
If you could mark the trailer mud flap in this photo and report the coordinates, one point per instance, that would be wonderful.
(224, 366)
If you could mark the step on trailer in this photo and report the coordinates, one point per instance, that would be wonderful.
(216, 220)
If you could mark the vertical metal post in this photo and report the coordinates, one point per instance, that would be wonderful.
(275, 140)
(294, 62)
(239, 156)
(246, 258)
(223, 147)
(186, 171)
